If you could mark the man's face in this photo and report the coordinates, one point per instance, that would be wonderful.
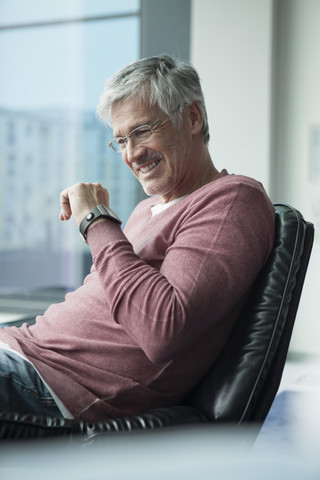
(162, 164)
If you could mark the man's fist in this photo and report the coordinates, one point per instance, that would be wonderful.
(80, 198)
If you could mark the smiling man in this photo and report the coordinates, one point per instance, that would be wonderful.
(163, 162)
(163, 294)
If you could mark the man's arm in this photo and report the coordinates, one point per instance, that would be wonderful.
(217, 252)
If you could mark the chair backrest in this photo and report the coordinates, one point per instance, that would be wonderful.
(244, 381)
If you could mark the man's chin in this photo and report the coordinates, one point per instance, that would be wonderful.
(149, 189)
(154, 188)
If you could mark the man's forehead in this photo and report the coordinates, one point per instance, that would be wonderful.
(130, 113)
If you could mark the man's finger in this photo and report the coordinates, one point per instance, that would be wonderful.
(65, 212)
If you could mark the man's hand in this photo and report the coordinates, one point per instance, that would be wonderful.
(80, 198)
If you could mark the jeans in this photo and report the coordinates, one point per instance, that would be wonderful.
(21, 388)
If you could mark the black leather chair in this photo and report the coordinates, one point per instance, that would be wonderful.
(240, 387)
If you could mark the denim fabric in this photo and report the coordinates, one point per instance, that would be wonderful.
(21, 388)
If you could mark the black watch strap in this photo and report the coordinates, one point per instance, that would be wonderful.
(100, 211)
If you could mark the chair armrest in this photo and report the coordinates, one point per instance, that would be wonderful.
(25, 426)
(150, 420)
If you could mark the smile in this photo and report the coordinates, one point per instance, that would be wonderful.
(149, 167)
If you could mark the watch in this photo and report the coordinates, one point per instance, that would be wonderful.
(100, 211)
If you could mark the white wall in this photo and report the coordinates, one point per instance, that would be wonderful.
(231, 46)
(297, 141)
(260, 66)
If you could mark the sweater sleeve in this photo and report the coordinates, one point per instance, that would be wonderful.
(220, 244)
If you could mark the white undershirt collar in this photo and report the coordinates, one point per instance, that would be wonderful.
(163, 206)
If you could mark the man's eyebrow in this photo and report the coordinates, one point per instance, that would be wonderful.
(133, 127)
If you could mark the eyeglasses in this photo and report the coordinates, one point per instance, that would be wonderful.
(138, 136)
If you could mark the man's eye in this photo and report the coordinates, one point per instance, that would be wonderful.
(121, 141)
(142, 133)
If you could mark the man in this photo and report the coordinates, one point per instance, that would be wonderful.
(162, 296)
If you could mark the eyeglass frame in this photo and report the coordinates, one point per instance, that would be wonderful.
(115, 139)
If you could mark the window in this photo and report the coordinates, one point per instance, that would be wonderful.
(55, 58)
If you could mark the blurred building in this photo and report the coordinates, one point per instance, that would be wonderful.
(41, 153)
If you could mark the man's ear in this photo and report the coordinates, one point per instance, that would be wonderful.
(196, 118)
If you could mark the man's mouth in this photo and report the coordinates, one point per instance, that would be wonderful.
(149, 167)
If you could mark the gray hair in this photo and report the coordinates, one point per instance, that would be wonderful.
(169, 83)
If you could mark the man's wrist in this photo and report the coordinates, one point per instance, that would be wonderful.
(99, 212)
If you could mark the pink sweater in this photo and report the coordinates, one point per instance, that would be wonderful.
(158, 305)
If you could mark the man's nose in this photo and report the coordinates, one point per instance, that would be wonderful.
(133, 151)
